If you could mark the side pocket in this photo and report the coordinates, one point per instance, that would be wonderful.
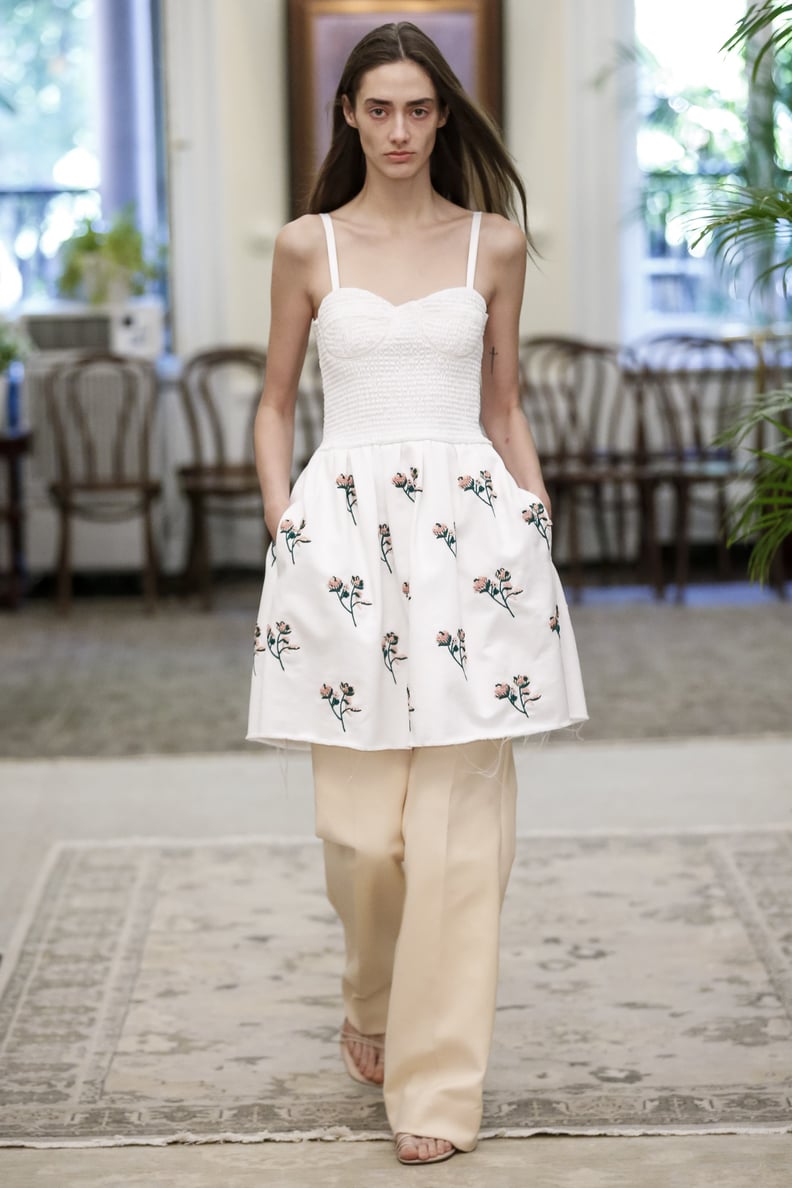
(292, 535)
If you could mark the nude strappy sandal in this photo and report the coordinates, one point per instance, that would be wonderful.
(411, 1140)
(369, 1041)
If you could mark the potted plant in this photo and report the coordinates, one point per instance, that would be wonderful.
(12, 350)
(754, 224)
(106, 265)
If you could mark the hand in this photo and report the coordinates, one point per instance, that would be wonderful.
(541, 491)
(273, 517)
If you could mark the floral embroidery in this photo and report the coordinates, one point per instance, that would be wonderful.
(537, 516)
(293, 536)
(518, 694)
(406, 590)
(257, 645)
(408, 484)
(456, 647)
(443, 532)
(483, 489)
(410, 709)
(346, 483)
(340, 702)
(385, 544)
(280, 643)
(554, 622)
(349, 593)
(390, 653)
(499, 588)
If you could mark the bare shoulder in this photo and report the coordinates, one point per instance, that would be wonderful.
(299, 241)
(503, 240)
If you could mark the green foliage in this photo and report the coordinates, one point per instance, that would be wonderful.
(48, 105)
(12, 345)
(773, 19)
(765, 514)
(750, 223)
(743, 219)
(95, 262)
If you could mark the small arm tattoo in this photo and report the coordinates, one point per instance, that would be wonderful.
(492, 355)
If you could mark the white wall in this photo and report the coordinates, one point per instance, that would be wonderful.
(226, 90)
(227, 137)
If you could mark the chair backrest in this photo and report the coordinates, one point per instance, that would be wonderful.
(774, 361)
(220, 391)
(582, 400)
(696, 386)
(101, 408)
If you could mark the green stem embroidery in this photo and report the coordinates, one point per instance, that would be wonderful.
(456, 647)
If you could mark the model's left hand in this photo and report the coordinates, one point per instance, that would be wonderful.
(541, 491)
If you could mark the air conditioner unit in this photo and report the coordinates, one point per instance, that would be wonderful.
(134, 327)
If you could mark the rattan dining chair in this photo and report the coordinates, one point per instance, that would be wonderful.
(696, 385)
(584, 404)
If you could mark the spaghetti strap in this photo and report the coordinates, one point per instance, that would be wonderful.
(332, 254)
(475, 226)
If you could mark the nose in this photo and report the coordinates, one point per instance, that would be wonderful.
(399, 131)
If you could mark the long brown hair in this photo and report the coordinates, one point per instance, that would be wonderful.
(469, 165)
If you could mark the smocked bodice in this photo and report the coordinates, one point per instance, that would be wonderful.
(396, 372)
(401, 372)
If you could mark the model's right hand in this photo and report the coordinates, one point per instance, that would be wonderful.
(272, 519)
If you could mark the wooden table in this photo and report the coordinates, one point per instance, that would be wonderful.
(14, 444)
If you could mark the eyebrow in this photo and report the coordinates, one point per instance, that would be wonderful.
(389, 102)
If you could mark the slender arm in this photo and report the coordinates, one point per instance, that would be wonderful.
(273, 431)
(501, 413)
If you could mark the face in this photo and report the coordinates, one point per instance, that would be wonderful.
(397, 114)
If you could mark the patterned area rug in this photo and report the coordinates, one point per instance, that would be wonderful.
(189, 992)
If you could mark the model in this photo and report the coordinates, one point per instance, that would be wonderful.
(411, 622)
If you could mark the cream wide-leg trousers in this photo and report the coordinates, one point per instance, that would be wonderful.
(418, 848)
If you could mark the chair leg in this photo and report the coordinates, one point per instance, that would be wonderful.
(203, 568)
(600, 527)
(197, 573)
(724, 556)
(682, 533)
(576, 568)
(654, 559)
(151, 562)
(63, 577)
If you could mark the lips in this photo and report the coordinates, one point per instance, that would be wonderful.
(398, 156)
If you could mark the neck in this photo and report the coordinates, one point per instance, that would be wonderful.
(397, 204)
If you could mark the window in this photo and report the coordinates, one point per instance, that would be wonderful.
(703, 125)
(80, 129)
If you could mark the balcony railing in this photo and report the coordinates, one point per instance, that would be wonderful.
(34, 222)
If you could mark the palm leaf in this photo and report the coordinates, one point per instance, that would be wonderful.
(767, 408)
(764, 514)
(741, 219)
(759, 17)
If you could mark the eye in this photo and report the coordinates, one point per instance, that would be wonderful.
(420, 112)
(377, 112)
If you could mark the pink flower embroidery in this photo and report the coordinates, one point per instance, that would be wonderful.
(390, 652)
(407, 483)
(500, 589)
(346, 483)
(443, 532)
(481, 487)
(339, 702)
(518, 694)
(455, 645)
